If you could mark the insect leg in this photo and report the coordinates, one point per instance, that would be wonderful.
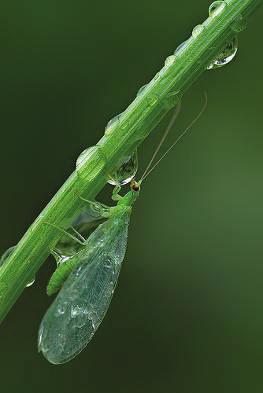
(56, 253)
(115, 194)
(97, 207)
(66, 233)
(78, 234)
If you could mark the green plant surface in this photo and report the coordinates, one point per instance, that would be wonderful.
(139, 119)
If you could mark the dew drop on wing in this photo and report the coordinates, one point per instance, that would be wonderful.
(79, 308)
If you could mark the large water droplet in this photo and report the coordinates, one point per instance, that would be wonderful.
(216, 8)
(84, 156)
(226, 55)
(115, 120)
(126, 172)
(197, 30)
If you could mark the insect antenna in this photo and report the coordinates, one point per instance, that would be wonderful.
(188, 128)
(165, 134)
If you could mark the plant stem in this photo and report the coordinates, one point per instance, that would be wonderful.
(140, 118)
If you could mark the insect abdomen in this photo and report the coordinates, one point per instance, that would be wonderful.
(60, 275)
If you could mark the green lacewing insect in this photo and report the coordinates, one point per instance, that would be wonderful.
(81, 304)
(90, 276)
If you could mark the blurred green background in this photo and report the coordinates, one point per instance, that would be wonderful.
(187, 314)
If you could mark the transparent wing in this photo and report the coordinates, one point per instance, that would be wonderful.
(83, 301)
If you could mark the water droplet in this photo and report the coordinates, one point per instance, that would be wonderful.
(31, 282)
(126, 172)
(115, 120)
(61, 309)
(141, 90)
(84, 156)
(197, 30)
(93, 158)
(239, 24)
(181, 47)
(59, 257)
(169, 60)
(226, 55)
(216, 8)
(6, 254)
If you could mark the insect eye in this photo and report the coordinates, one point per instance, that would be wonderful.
(135, 186)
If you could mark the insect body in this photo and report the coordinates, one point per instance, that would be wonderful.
(72, 319)
(90, 276)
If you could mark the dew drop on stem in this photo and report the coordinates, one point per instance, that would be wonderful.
(84, 156)
(226, 55)
(169, 60)
(216, 8)
(126, 171)
(197, 30)
(113, 122)
(128, 167)
(141, 90)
